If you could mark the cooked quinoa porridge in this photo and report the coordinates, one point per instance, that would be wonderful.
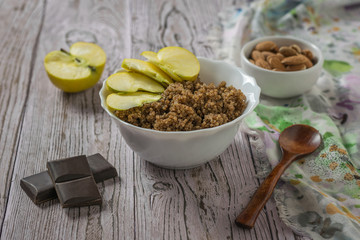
(187, 106)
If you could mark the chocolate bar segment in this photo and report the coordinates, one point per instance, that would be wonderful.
(101, 168)
(68, 169)
(74, 183)
(79, 192)
(40, 188)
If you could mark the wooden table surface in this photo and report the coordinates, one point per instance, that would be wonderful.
(39, 123)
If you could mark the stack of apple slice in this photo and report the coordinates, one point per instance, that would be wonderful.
(143, 82)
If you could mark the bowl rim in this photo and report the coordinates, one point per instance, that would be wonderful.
(319, 56)
(252, 107)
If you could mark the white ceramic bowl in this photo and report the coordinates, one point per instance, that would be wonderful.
(180, 150)
(283, 84)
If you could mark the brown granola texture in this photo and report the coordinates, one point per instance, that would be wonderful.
(187, 106)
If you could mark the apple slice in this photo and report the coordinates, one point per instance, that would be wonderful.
(180, 61)
(118, 101)
(177, 60)
(152, 57)
(132, 82)
(147, 69)
(76, 70)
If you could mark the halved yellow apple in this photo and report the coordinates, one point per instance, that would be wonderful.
(118, 101)
(147, 69)
(132, 82)
(76, 70)
(176, 60)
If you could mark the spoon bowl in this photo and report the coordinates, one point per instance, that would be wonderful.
(299, 139)
(295, 142)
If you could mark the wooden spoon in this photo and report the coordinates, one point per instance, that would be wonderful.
(295, 142)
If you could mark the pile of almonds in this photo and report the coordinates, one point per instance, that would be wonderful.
(286, 58)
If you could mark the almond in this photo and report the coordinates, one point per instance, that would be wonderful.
(308, 63)
(295, 60)
(308, 54)
(252, 61)
(257, 55)
(280, 56)
(287, 51)
(267, 53)
(262, 63)
(296, 48)
(275, 62)
(296, 67)
(265, 46)
(273, 56)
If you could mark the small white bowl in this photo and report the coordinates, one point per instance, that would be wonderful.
(283, 84)
(187, 149)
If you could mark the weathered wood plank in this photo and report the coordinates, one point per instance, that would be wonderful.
(21, 24)
(59, 125)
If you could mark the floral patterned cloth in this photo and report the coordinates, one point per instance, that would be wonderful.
(319, 196)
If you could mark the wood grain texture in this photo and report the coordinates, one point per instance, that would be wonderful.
(42, 123)
(59, 125)
(18, 46)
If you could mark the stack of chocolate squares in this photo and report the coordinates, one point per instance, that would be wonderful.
(73, 180)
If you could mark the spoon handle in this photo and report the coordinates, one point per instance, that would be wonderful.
(249, 215)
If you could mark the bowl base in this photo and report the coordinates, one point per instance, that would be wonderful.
(183, 167)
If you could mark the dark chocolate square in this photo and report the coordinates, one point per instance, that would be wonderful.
(79, 192)
(39, 187)
(101, 168)
(69, 169)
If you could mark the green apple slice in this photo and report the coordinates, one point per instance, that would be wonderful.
(147, 69)
(132, 82)
(118, 101)
(152, 58)
(180, 62)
